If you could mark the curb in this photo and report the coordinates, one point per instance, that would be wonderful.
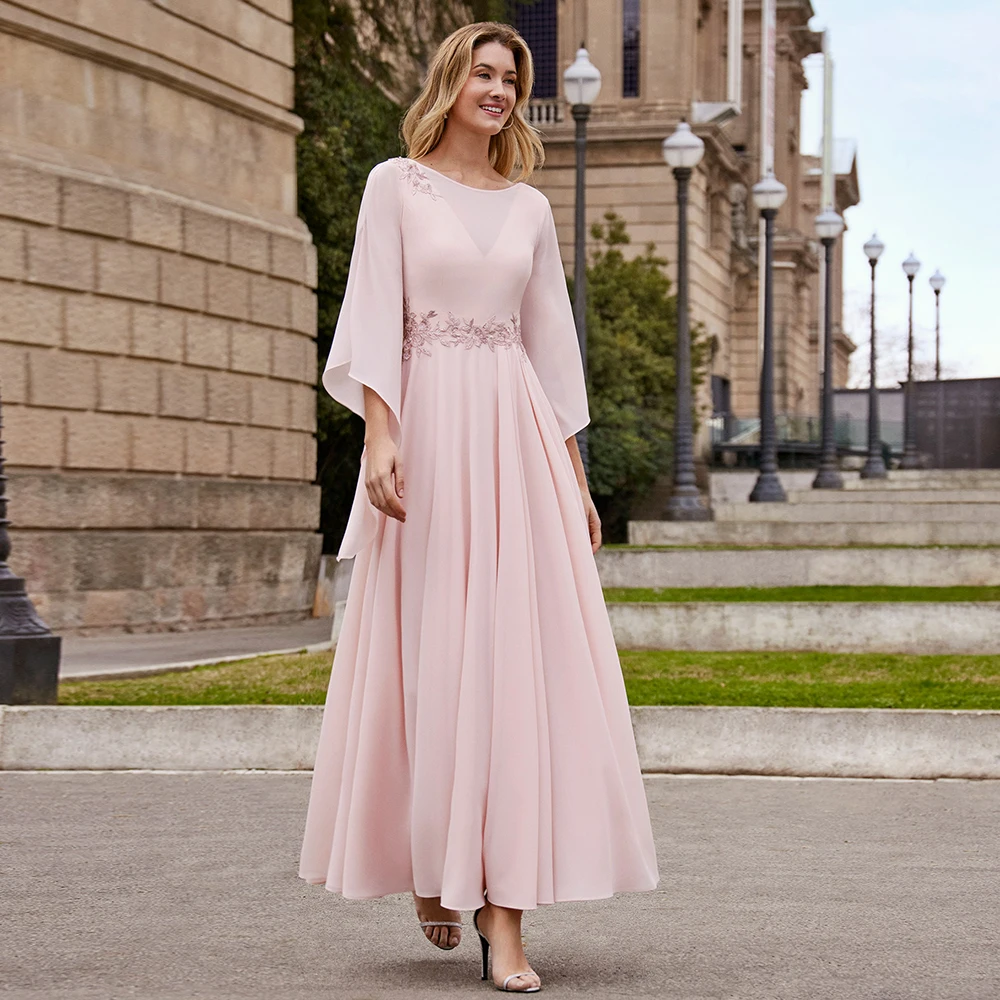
(803, 742)
(159, 738)
(819, 742)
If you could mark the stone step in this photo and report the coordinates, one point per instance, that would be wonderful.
(873, 567)
(838, 532)
(798, 513)
(897, 497)
(734, 486)
(956, 627)
(908, 479)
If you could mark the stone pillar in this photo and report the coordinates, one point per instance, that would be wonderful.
(157, 314)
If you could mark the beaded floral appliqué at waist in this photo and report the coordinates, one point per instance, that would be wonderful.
(422, 329)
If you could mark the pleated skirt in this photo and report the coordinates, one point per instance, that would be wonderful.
(476, 737)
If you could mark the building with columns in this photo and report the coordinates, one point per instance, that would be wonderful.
(666, 60)
(157, 314)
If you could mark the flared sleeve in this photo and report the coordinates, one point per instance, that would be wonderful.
(548, 330)
(368, 339)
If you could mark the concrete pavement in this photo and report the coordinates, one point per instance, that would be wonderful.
(168, 886)
(126, 653)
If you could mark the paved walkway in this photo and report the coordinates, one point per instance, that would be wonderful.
(181, 886)
(113, 654)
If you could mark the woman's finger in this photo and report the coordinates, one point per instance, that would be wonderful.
(399, 476)
(392, 505)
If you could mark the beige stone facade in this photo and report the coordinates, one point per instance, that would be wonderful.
(682, 59)
(157, 314)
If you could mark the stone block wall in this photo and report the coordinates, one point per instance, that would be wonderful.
(157, 314)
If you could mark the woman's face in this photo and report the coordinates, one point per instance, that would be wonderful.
(491, 86)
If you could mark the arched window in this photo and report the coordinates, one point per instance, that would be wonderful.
(630, 48)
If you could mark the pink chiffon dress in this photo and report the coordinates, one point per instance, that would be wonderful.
(476, 736)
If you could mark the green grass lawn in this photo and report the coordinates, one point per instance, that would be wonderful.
(812, 680)
(817, 680)
(863, 594)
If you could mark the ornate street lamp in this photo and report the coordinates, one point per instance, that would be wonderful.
(829, 225)
(768, 195)
(874, 467)
(582, 82)
(910, 459)
(937, 283)
(683, 152)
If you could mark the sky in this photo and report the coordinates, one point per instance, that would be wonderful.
(915, 86)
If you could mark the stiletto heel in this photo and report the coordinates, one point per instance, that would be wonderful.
(486, 954)
(483, 942)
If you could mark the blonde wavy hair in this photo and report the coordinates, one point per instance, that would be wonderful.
(519, 143)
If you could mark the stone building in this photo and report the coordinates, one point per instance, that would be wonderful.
(662, 61)
(157, 317)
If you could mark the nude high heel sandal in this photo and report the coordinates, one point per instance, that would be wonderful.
(441, 923)
(486, 955)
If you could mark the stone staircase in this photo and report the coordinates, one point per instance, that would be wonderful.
(918, 509)
(931, 528)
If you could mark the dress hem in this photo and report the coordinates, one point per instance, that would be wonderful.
(509, 904)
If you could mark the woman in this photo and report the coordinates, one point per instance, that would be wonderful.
(476, 746)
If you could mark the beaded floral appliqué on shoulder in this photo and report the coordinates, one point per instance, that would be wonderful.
(419, 184)
(422, 329)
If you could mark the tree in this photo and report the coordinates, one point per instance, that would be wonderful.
(631, 342)
(357, 67)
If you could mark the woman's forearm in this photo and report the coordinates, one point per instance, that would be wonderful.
(574, 453)
(376, 416)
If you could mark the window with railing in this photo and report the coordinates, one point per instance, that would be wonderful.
(630, 48)
(538, 24)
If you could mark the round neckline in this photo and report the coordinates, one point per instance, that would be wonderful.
(459, 183)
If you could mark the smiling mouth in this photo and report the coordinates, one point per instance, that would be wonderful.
(492, 109)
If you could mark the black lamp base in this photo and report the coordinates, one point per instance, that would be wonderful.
(768, 489)
(681, 507)
(874, 468)
(828, 479)
(29, 669)
(29, 652)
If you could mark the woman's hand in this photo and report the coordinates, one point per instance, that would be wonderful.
(384, 476)
(593, 520)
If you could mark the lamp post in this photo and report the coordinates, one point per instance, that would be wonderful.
(829, 225)
(937, 283)
(910, 459)
(29, 652)
(582, 81)
(874, 467)
(683, 151)
(768, 196)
